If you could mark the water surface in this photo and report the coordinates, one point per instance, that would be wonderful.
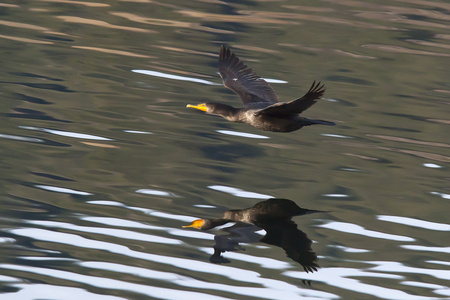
(102, 163)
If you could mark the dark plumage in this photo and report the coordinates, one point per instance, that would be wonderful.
(269, 210)
(261, 107)
(274, 216)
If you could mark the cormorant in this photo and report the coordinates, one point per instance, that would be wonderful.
(268, 210)
(261, 107)
(274, 216)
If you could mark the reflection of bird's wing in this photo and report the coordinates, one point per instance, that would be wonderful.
(295, 106)
(243, 232)
(294, 242)
(242, 80)
(238, 233)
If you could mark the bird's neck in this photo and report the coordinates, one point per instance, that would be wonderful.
(237, 215)
(233, 115)
(215, 222)
(227, 112)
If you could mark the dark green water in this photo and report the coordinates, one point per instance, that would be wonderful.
(102, 165)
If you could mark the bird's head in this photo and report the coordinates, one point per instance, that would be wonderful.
(226, 111)
(196, 224)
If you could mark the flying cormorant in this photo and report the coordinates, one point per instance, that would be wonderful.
(261, 107)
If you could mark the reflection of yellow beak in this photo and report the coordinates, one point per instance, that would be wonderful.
(196, 224)
(201, 106)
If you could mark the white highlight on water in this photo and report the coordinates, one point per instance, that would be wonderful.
(238, 192)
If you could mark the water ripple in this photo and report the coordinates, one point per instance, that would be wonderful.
(272, 288)
(156, 193)
(445, 196)
(347, 278)
(147, 211)
(120, 233)
(356, 229)
(68, 133)
(174, 77)
(392, 266)
(21, 138)
(62, 190)
(433, 166)
(415, 223)
(243, 134)
(427, 248)
(238, 192)
(112, 284)
(48, 291)
(267, 292)
(437, 289)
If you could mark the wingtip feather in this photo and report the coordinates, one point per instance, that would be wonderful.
(317, 88)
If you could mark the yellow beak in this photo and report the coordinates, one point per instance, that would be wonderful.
(196, 224)
(201, 106)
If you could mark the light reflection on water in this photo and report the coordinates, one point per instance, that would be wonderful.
(39, 291)
(238, 192)
(343, 278)
(62, 190)
(243, 134)
(359, 230)
(415, 223)
(111, 284)
(174, 77)
(68, 134)
(102, 164)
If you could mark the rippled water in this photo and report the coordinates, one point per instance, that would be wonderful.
(102, 163)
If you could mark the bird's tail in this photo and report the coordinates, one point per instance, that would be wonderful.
(321, 122)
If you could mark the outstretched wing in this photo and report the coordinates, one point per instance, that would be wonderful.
(242, 80)
(295, 106)
(295, 243)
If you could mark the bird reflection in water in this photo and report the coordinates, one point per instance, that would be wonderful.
(275, 217)
(261, 107)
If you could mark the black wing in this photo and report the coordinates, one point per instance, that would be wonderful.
(295, 106)
(294, 242)
(242, 80)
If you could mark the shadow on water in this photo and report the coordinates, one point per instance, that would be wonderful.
(44, 86)
(231, 152)
(24, 113)
(274, 216)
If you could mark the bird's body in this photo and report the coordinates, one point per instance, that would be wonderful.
(269, 210)
(274, 216)
(261, 107)
(265, 211)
